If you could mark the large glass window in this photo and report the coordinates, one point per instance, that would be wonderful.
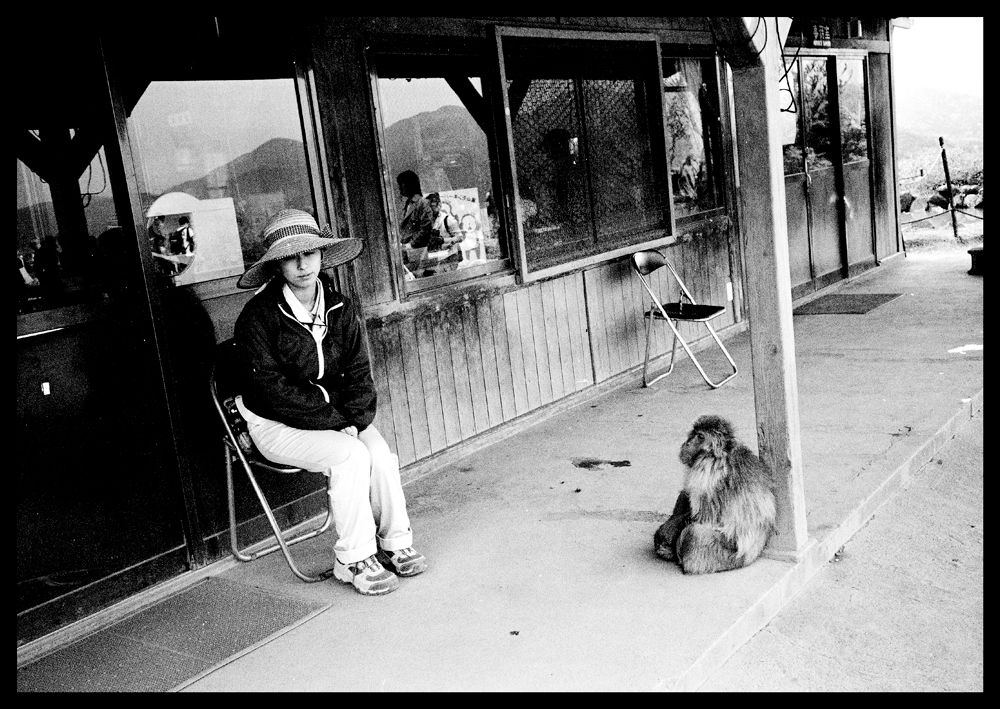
(215, 160)
(63, 210)
(853, 113)
(435, 121)
(587, 137)
(694, 142)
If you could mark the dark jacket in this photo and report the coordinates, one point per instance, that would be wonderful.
(281, 363)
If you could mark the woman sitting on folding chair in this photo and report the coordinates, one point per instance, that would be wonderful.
(309, 398)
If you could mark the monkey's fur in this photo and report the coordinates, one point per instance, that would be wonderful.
(725, 511)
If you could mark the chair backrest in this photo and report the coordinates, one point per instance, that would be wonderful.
(223, 382)
(645, 262)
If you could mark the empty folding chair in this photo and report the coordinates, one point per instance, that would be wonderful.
(645, 263)
(240, 449)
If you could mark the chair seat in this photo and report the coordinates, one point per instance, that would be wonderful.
(689, 311)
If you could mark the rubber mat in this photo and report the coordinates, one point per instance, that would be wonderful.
(845, 304)
(168, 645)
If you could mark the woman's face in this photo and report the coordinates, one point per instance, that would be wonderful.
(302, 270)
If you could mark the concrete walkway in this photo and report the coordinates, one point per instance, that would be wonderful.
(541, 572)
(899, 609)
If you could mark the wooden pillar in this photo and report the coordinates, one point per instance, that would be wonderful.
(756, 61)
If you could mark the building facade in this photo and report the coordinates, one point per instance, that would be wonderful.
(556, 147)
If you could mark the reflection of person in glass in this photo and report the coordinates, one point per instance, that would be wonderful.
(446, 228)
(689, 179)
(552, 191)
(416, 226)
(309, 399)
(170, 229)
(48, 266)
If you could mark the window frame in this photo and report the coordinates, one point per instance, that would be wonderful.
(395, 47)
(723, 154)
(325, 200)
(659, 237)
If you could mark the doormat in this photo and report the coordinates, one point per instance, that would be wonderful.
(171, 644)
(845, 304)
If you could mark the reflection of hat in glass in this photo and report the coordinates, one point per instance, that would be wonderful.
(173, 203)
(291, 232)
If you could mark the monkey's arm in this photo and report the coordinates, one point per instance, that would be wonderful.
(666, 536)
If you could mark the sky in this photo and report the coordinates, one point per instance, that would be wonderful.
(947, 51)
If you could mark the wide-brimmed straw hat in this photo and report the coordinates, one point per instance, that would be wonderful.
(291, 232)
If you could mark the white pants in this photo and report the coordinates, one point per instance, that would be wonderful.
(366, 495)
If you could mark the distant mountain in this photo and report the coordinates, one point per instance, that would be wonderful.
(923, 116)
(279, 165)
(933, 112)
(446, 148)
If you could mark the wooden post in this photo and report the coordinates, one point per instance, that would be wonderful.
(756, 70)
(951, 195)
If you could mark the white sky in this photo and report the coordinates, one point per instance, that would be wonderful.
(942, 51)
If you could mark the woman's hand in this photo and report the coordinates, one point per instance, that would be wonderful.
(350, 431)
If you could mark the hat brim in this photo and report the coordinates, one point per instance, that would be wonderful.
(336, 252)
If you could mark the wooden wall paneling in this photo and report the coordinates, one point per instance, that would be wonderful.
(443, 334)
(512, 328)
(541, 340)
(491, 362)
(725, 276)
(425, 327)
(389, 342)
(579, 332)
(704, 277)
(593, 306)
(552, 344)
(563, 326)
(477, 366)
(612, 318)
(687, 272)
(665, 288)
(635, 312)
(383, 421)
(706, 271)
(617, 328)
(609, 320)
(629, 306)
(462, 363)
(522, 299)
(409, 353)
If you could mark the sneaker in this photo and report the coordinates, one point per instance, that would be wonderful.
(368, 576)
(405, 562)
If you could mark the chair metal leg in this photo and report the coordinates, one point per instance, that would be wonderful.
(645, 365)
(283, 541)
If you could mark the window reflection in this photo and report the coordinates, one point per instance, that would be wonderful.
(232, 153)
(581, 116)
(791, 125)
(693, 125)
(853, 113)
(437, 156)
(61, 214)
(816, 113)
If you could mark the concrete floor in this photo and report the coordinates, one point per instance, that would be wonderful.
(541, 571)
(899, 609)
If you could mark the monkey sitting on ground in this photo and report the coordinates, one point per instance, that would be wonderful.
(725, 511)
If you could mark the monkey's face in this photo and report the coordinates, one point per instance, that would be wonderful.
(695, 445)
(709, 436)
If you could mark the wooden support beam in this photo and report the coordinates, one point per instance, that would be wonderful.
(768, 282)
